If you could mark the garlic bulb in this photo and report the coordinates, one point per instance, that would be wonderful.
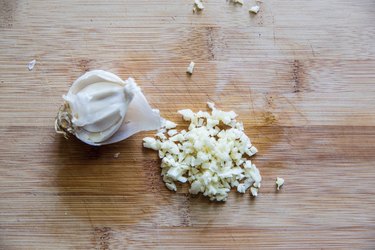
(100, 108)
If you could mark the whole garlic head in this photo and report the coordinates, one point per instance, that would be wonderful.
(100, 108)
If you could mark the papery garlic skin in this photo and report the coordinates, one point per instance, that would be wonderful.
(96, 109)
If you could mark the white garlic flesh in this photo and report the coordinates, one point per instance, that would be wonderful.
(211, 155)
(100, 108)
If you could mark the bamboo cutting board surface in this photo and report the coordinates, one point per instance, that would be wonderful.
(300, 74)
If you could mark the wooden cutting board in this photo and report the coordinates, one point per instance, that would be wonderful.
(300, 74)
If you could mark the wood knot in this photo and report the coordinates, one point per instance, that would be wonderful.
(84, 64)
(103, 235)
(297, 76)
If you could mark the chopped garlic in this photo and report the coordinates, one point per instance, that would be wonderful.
(190, 68)
(279, 182)
(169, 124)
(171, 186)
(254, 9)
(187, 114)
(237, 2)
(172, 132)
(198, 5)
(254, 191)
(149, 142)
(31, 64)
(211, 159)
(161, 136)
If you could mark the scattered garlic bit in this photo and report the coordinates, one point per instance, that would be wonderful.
(211, 159)
(198, 6)
(171, 186)
(31, 65)
(116, 155)
(254, 191)
(254, 9)
(237, 1)
(169, 124)
(149, 142)
(190, 69)
(279, 182)
(172, 132)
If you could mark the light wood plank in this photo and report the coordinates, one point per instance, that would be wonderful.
(300, 74)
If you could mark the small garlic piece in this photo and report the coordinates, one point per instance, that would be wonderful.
(190, 68)
(31, 64)
(198, 5)
(279, 182)
(171, 186)
(254, 191)
(169, 124)
(172, 132)
(237, 1)
(254, 9)
(100, 108)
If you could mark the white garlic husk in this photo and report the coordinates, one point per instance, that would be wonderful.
(100, 108)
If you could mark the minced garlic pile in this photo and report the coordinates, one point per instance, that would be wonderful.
(212, 155)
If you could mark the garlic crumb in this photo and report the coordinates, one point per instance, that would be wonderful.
(190, 68)
(172, 132)
(198, 6)
(237, 1)
(31, 64)
(254, 191)
(279, 182)
(170, 124)
(254, 9)
(116, 155)
(171, 186)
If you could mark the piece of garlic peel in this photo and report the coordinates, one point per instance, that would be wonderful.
(211, 159)
(100, 108)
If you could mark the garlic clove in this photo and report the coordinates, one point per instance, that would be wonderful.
(105, 120)
(92, 77)
(96, 138)
(139, 117)
(100, 108)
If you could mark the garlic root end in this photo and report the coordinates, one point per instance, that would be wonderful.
(63, 121)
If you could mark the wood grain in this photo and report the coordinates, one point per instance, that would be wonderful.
(300, 74)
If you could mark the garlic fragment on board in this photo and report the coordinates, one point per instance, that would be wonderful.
(254, 191)
(190, 68)
(237, 1)
(100, 108)
(211, 157)
(279, 182)
(254, 9)
(31, 64)
(198, 5)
